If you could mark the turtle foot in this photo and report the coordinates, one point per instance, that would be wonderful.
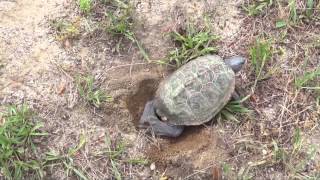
(150, 121)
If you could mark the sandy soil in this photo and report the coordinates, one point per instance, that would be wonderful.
(38, 70)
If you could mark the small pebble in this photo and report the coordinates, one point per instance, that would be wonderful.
(264, 152)
(153, 166)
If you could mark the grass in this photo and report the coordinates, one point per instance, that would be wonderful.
(257, 7)
(293, 17)
(191, 44)
(295, 158)
(114, 154)
(260, 54)
(53, 159)
(309, 10)
(17, 148)
(310, 81)
(91, 94)
(291, 158)
(307, 80)
(232, 109)
(65, 29)
(85, 6)
(115, 151)
(121, 24)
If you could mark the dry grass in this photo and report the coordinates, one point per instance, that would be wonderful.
(266, 144)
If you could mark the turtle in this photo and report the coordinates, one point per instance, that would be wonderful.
(192, 95)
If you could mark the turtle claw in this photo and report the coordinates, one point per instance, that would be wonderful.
(150, 121)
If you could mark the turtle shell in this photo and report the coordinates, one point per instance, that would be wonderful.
(196, 92)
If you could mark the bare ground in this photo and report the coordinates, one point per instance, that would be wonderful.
(40, 71)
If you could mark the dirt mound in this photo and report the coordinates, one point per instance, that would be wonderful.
(198, 148)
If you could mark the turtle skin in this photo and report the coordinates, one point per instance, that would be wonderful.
(196, 92)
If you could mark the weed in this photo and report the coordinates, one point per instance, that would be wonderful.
(114, 150)
(226, 168)
(66, 30)
(309, 11)
(256, 8)
(88, 92)
(281, 24)
(121, 23)
(294, 159)
(85, 6)
(16, 144)
(293, 17)
(55, 159)
(191, 45)
(310, 80)
(232, 108)
(260, 54)
(306, 80)
(138, 161)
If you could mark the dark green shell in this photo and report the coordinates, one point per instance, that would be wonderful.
(196, 92)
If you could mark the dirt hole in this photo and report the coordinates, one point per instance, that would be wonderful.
(136, 102)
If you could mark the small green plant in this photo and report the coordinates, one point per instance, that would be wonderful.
(85, 6)
(308, 80)
(232, 108)
(138, 161)
(88, 92)
(294, 158)
(66, 160)
(281, 24)
(65, 29)
(115, 151)
(226, 168)
(293, 17)
(191, 45)
(17, 150)
(260, 54)
(121, 23)
(257, 7)
(309, 11)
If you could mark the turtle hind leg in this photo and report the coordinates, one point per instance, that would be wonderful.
(149, 120)
(163, 129)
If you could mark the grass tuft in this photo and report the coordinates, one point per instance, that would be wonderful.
(293, 17)
(115, 151)
(17, 134)
(257, 7)
(66, 30)
(121, 24)
(91, 94)
(307, 80)
(67, 160)
(85, 6)
(295, 158)
(310, 81)
(260, 54)
(191, 44)
(233, 108)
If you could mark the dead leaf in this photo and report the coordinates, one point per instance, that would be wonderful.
(216, 173)
(61, 88)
